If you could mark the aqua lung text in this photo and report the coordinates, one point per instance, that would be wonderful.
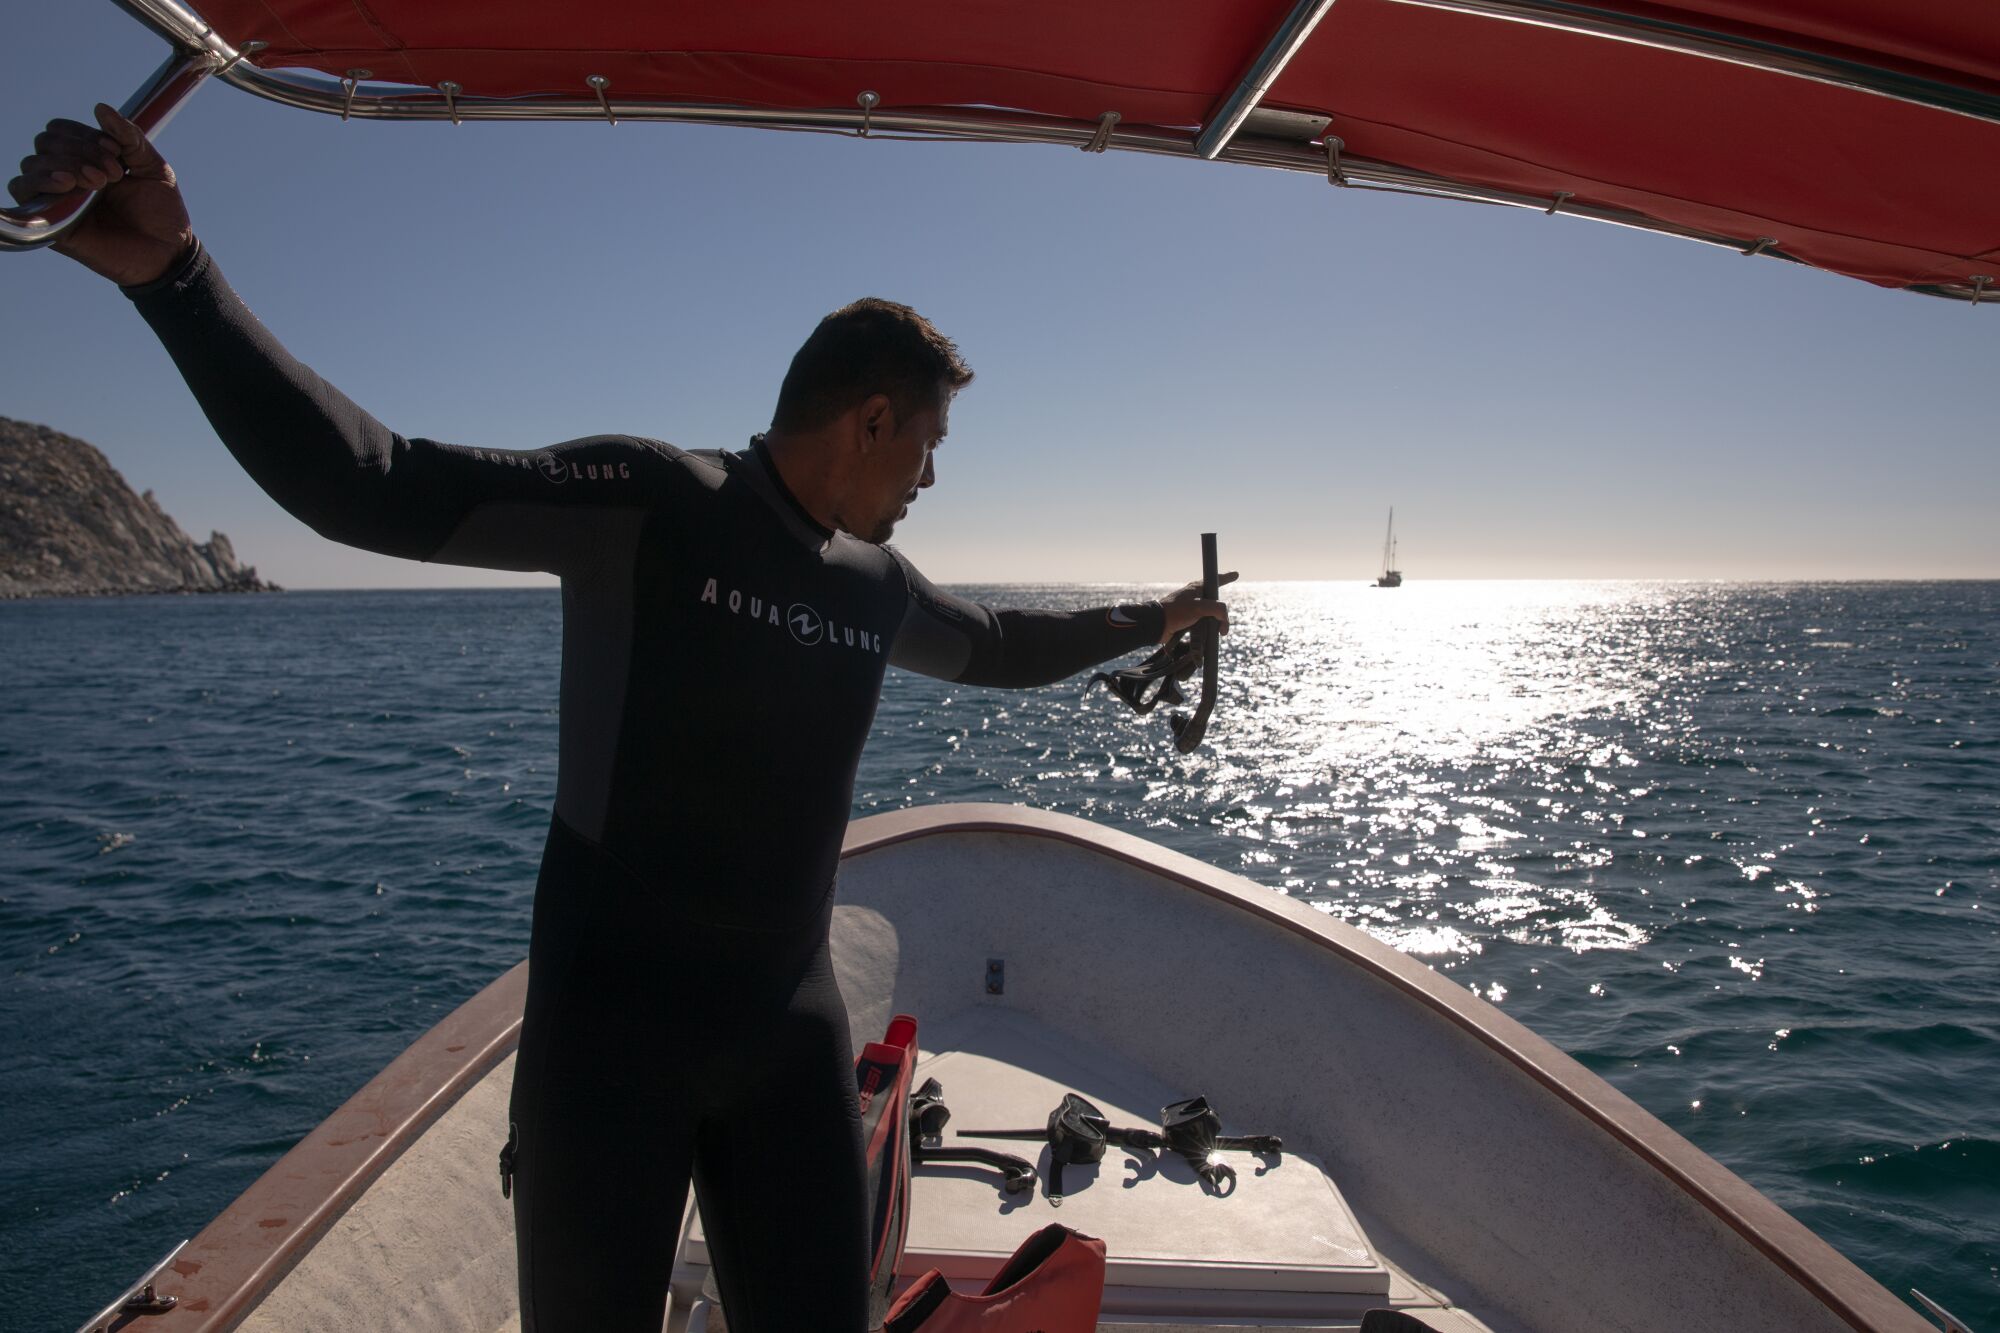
(805, 624)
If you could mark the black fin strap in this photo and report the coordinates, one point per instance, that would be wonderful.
(1017, 1173)
(1175, 661)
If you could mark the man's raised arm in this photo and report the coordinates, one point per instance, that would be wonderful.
(311, 448)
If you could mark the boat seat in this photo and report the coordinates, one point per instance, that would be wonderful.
(1283, 1245)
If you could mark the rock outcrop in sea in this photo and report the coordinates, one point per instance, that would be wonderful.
(70, 526)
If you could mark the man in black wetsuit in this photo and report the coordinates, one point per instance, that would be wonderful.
(727, 620)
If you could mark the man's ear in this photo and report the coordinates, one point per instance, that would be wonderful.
(877, 420)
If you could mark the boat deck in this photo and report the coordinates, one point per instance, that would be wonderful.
(1281, 1249)
(1284, 1239)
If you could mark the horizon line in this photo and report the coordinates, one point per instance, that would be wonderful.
(1240, 583)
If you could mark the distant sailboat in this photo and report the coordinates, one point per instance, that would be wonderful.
(1392, 577)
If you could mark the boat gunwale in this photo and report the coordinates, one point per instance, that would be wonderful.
(250, 1246)
(236, 1259)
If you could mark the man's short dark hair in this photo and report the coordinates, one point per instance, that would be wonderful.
(872, 346)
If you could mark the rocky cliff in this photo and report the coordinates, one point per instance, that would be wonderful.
(69, 526)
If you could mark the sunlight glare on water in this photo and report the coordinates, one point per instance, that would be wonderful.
(1407, 727)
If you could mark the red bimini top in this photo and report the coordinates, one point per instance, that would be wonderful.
(1858, 136)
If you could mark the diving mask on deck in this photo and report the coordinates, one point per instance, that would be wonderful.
(1078, 1133)
(1194, 1130)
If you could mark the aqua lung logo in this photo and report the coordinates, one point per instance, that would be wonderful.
(541, 463)
(807, 626)
(556, 469)
(560, 470)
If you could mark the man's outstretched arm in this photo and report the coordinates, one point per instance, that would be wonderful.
(311, 448)
(959, 640)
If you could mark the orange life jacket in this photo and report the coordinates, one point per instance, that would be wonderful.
(1054, 1283)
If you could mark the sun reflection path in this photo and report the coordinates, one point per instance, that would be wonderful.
(1446, 727)
(1443, 765)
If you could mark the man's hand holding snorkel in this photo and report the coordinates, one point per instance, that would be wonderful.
(1188, 607)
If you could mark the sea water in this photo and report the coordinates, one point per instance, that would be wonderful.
(1735, 848)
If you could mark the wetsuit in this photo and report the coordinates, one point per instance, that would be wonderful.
(722, 658)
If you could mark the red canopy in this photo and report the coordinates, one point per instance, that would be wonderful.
(1623, 115)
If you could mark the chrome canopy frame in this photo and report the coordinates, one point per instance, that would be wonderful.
(1227, 119)
(1230, 136)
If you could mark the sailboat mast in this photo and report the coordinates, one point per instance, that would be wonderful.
(1389, 542)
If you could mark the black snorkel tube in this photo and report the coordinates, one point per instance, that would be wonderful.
(1188, 731)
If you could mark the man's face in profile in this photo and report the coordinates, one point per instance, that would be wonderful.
(899, 465)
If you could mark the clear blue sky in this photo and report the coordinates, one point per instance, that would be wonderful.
(1162, 346)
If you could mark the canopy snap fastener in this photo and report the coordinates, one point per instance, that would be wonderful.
(599, 83)
(1561, 197)
(350, 83)
(248, 49)
(1102, 139)
(1335, 174)
(1760, 245)
(868, 101)
(451, 91)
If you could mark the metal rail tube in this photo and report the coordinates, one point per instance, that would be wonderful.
(1665, 35)
(41, 221)
(319, 93)
(179, 25)
(1263, 72)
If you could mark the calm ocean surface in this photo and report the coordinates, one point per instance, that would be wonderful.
(1736, 848)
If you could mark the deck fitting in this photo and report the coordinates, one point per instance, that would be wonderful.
(144, 1301)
